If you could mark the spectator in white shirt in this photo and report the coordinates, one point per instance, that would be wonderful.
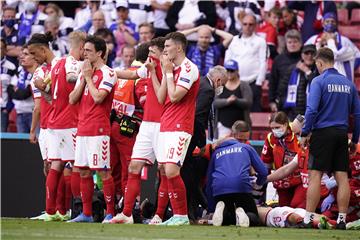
(20, 91)
(58, 45)
(160, 8)
(66, 23)
(140, 11)
(249, 51)
(345, 51)
(97, 22)
(84, 14)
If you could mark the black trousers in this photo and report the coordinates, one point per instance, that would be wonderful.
(193, 170)
(256, 90)
(235, 200)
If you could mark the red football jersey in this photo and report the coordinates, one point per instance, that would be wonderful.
(180, 116)
(94, 119)
(152, 108)
(279, 152)
(269, 33)
(140, 100)
(64, 115)
(45, 108)
(303, 158)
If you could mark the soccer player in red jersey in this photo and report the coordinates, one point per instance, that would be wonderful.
(145, 150)
(94, 91)
(38, 46)
(177, 121)
(62, 122)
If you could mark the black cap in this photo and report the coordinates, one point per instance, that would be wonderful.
(309, 48)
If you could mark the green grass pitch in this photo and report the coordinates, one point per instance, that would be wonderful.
(19, 229)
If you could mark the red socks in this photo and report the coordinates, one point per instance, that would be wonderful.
(68, 193)
(109, 192)
(52, 181)
(60, 196)
(75, 184)
(177, 195)
(163, 196)
(131, 192)
(87, 191)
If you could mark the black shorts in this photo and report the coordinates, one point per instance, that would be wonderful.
(329, 150)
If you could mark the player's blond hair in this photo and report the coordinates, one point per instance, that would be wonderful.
(76, 38)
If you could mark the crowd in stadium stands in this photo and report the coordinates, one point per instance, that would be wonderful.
(247, 74)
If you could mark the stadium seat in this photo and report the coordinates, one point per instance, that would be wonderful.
(357, 44)
(357, 79)
(260, 125)
(260, 120)
(343, 16)
(351, 32)
(357, 84)
(258, 134)
(357, 73)
(265, 96)
(355, 16)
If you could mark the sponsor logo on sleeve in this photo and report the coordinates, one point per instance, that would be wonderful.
(108, 84)
(184, 80)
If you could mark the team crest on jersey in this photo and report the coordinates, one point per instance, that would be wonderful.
(95, 78)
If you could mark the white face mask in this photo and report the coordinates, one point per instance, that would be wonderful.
(30, 6)
(219, 90)
(278, 132)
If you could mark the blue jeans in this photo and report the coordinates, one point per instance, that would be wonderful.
(4, 120)
(23, 122)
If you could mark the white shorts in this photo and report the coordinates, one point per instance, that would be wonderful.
(43, 143)
(92, 152)
(61, 144)
(146, 144)
(173, 146)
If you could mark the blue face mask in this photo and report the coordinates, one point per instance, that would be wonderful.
(9, 22)
(330, 27)
(278, 133)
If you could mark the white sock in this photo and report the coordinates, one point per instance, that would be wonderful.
(309, 217)
(341, 217)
